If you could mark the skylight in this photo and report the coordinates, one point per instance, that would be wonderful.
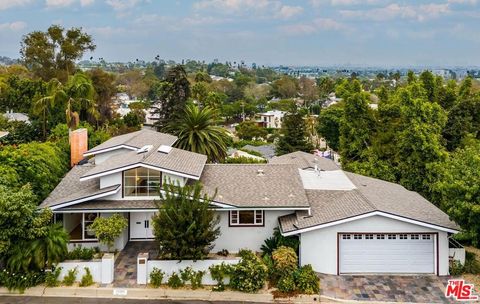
(144, 149)
(164, 149)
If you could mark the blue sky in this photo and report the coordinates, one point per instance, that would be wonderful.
(310, 32)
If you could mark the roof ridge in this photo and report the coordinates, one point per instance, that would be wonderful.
(357, 190)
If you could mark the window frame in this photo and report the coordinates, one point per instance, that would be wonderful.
(236, 214)
(157, 178)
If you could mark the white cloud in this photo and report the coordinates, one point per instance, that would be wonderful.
(286, 11)
(122, 5)
(233, 5)
(394, 10)
(6, 4)
(86, 2)
(13, 26)
(471, 2)
(318, 3)
(317, 25)
(59, 3)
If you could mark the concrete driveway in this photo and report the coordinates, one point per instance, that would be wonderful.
(413, 289)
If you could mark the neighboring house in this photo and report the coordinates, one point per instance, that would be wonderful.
(122, 102)
(346, 223)
(11, 116)
(271, 119)
(234, 153)
(331, 100)
(3, 134)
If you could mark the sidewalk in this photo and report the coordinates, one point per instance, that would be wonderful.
(161, 293)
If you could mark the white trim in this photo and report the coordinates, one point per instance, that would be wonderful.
(373, 213)
(84, 178)
(149, 210)
(238, 224)
(85, 199)
(88, 153)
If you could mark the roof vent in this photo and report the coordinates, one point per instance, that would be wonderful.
(260, 172)
(164, 149)
(144, 149)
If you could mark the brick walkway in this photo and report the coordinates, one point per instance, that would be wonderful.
(126, 263)
(413, 289)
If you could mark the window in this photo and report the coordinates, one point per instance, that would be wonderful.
(246, 218)
(346, 236)
(380, 236)
(141, 182)
(425, 236)
(392, 236)
(357, 236)
(403, 237)
(369, 236)
(414, 237)
(88, 219)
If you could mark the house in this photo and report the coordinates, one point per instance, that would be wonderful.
(271, 119)
(346, 223)
(12, 116)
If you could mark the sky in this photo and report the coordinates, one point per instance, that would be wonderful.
(269, 32)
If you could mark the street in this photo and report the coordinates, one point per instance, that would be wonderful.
(55, 300)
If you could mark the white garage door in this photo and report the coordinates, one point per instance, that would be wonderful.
(386, 253)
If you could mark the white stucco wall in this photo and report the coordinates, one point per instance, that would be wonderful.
(173, 179)
(110, 180)
(95, 267)
(235, 238)
(319, 247)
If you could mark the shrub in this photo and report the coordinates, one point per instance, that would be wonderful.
(223, 252)
(244, 160)
(156, 277)
(472, 265)
(306, 280)
(20, 280)
(186, 274)
(174, 281)
(286, 283)
(218, 272)
(87, 278)
(285, 261)
(456, 268)
(51, 278)
(79, 253)
(249, 274)
(107, 229)
(69, 279)
(278, 240)
(196, 279)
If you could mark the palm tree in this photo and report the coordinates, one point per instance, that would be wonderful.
(80, 92)
(197, 132)
(51, 248)
(42, 106)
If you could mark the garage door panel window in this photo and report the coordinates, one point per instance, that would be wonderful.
(392, 236)
(414, 237)
(380, 236)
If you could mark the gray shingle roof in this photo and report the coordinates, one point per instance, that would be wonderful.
(177, 160)
(241, 185)
(305, 160)
(370, 195)
(137, 140)
(112, 204)
(71, 188)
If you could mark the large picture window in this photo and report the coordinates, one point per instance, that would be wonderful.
(247, 218)
(141, 182)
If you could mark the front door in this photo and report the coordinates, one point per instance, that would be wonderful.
(141, 227)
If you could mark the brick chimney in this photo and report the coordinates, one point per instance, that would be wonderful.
(78, 145)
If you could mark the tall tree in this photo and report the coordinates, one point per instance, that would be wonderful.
(329, 122)
(53, 53)
(103, 84)
(463, 120)
(171, 97)
(197, 131)
(294, 134)
(185, 226)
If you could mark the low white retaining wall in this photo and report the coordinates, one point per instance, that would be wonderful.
(170, 266)
(102, 270)
(457, 254)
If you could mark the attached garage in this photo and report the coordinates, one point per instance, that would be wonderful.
(386, 253)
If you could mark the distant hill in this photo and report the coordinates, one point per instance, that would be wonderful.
(7, 60)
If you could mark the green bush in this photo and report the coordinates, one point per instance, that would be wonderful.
(472, 265)
(285, 261)
(218, 272)
(186, 274)
(51, 278)
(192, 276)
(71, 276)
(156, 277)
(174, 281)
(278, 240)
(20, 280)
(306, 280)
(456, 268)
(249, 274)
(286, 283)
(244, 160)
(107, 229)
(79, 253)
(87, 278)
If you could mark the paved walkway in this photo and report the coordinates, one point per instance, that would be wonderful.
(126, 263)
(413, 289)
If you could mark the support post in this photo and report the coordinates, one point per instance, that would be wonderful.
(142, 268)
(108, 268)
